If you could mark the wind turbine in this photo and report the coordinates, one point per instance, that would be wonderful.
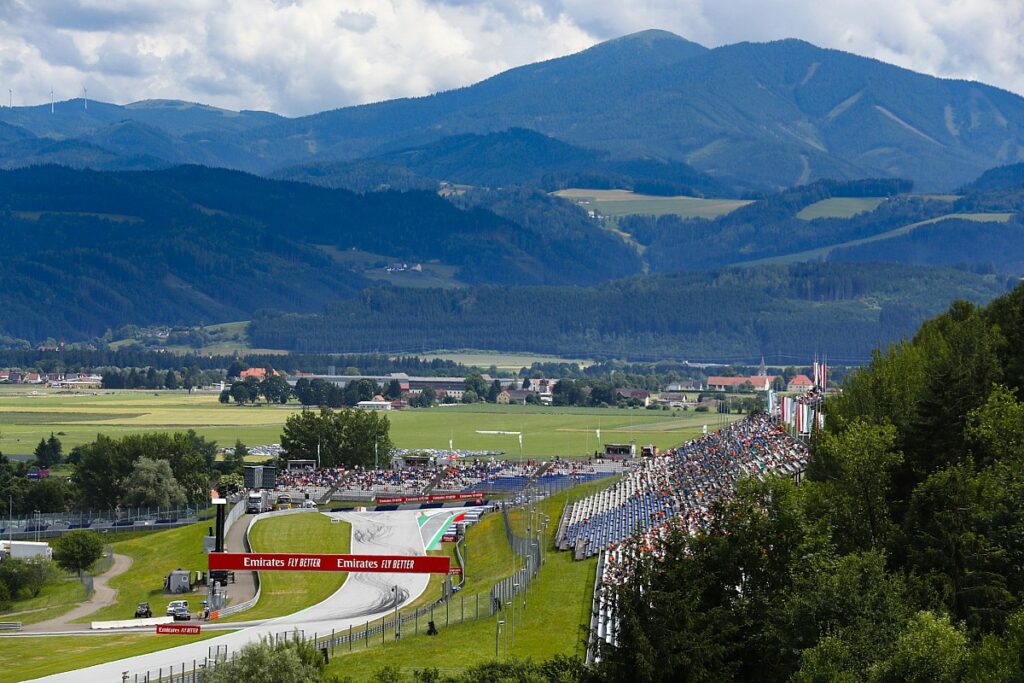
(51, 100)
(10, 99)
(85, 97)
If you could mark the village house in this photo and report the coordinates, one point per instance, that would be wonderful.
(800, 383)
(757, 382)
(641, 395)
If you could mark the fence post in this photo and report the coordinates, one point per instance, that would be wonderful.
(366, 633)
(350, 637)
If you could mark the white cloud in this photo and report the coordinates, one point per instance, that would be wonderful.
(308, 55)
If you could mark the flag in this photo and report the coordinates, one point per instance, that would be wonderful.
(450, 447)
(598, 433)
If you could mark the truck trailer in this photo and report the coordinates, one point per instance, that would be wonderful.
(257, 502)
(26, 550)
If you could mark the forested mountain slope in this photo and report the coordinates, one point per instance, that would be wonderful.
(779, 311)
(514, 157)
(88, 250)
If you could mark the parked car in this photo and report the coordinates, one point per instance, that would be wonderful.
(174, 605)
(182, 614)
(143, 611)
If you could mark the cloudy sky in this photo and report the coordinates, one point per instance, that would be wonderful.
(301, 56)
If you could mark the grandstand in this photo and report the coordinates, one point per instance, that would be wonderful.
(494, 477)
(680, 485)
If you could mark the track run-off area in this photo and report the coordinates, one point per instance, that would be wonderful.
(362, 598)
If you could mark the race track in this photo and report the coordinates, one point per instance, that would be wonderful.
(362, 598)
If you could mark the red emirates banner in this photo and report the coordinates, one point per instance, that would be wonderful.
(297, 562)
(436, 498)
(179, 629)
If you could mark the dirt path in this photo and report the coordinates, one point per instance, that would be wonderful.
(103, 596)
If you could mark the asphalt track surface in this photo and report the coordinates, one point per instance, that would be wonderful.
(362, 598)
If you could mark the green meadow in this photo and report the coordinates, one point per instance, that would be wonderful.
(839, 207)
(616, 203)
(26, 415)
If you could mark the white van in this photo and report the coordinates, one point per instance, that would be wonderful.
(175, 605)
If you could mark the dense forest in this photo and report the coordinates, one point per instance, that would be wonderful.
(76, 360)
(778, 311)
(983, 247)
(900, 559)
(516, 157)
(998, 178)
(88, 250)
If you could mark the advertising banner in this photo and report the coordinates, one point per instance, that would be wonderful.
(435, 498)
(179, 629)
(301, 562)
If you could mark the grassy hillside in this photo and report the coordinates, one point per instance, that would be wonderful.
(30, 658)
(154, 556)
(839, 207)
(626, 203)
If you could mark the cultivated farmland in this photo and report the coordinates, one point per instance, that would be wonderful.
(28, 415)
(617, 203)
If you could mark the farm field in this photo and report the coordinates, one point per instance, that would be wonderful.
(839, 207)
(617, 203)
(29, 415)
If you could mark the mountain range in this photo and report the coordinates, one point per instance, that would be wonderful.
(87, 250)
(752, 115)
(432, 220)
